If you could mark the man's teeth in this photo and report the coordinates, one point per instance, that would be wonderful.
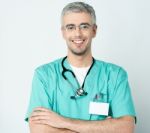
(78, 41)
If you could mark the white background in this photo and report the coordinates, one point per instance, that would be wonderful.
(30, 36)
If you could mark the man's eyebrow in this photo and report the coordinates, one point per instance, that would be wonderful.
(70, 25)
(85, 24)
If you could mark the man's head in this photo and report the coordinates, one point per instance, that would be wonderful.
(78, 27)
(78, 7)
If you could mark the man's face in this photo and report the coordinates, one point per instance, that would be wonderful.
(78, 31)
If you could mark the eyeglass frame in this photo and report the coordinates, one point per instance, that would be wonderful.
(82, 27)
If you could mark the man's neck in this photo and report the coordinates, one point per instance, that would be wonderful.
(80, 61)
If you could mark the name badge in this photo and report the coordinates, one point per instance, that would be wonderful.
(98, 108)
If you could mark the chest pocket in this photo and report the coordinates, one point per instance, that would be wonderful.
(100, 97)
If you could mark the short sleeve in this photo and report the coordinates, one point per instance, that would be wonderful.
(39, 96)
(122, 103)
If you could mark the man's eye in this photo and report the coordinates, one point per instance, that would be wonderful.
(84, 26)
(70, 27)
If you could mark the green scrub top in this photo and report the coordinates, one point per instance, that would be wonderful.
(107, 81)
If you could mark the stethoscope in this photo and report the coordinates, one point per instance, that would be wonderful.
(79, 92)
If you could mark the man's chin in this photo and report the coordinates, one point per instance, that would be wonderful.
(78, 53)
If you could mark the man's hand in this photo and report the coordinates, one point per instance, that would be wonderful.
(47, 117)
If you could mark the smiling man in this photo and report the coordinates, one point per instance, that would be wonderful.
(78, 93)
(78, 31)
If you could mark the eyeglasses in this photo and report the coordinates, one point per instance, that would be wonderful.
(82, 27)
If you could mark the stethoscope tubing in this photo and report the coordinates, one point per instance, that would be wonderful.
(80, 91)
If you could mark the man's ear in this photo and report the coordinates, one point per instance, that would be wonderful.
(63, 32)
(94, 30)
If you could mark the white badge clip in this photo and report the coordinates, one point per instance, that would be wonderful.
(98, 108)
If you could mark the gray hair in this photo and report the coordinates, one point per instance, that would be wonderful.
(78, 7)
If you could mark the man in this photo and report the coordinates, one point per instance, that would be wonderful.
(78, 93)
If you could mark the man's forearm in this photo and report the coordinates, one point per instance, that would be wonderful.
(112, 125)
(40, 128)
(120, 125)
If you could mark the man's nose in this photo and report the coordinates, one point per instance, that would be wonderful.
(78, 31)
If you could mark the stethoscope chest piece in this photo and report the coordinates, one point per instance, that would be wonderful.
(81, 92)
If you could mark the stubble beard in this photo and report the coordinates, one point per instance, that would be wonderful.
(79, 53)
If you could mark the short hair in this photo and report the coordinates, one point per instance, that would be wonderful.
(78, 7)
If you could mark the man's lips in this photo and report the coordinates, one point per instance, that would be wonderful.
(78, 41)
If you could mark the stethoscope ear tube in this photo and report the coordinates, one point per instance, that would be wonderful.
(66, 70)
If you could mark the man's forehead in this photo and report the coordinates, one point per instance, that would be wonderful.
(77, 18)
(82, 14)
(84, 23)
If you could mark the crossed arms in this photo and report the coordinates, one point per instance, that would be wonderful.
(43, 120)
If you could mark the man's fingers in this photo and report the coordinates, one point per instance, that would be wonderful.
(39, 113)
(40, 109)
(34, 118)
(41, 121)
(109, 117)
